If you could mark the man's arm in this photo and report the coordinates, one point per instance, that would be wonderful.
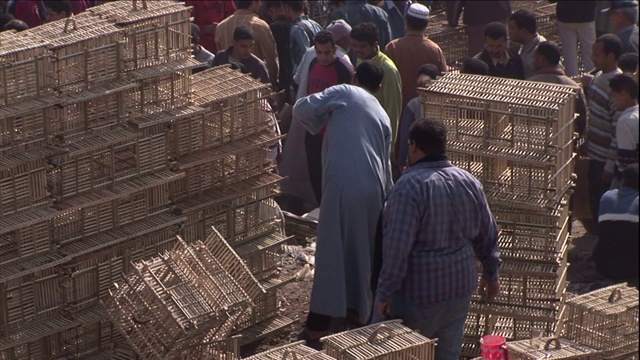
(400, 223)
(485, 245)
(314, 111)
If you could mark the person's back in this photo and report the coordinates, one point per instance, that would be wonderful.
(355, 12)
(616, 253)
(27, 11)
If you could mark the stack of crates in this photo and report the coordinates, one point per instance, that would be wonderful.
(105, 156)
(517, 138)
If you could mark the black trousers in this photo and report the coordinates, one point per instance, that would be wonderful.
(313, 147)
(596, 186)
(318, 322)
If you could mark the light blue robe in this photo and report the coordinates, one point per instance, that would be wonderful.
(356, 176)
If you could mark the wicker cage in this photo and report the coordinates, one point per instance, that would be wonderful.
(107, 208)
(530, 244)
(386, 340)
(605, 319)
(176, 300)
(161, 87)
(516, 325)
(23, 191)
(233, 99)
(301, 228)
(27, 238)
(23, 126)
(529, 284)
(262, 255)
(209, 170)
(102, 160)
(86, 51)
(265, 307)
(550, 348)
(157, 32)
(24, 69)
(293, 351)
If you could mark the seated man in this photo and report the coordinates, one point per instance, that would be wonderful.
(616, 253)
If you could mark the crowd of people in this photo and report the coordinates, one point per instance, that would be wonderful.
(346, 95)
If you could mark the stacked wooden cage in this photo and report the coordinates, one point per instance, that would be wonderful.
(106, 156)
(551, 348)
(517, 138)
(605, 320)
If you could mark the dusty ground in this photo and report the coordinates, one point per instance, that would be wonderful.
(294, 297)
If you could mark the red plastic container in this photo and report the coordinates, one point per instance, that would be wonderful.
(494, 347)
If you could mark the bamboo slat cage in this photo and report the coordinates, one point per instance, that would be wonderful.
(302, 229)
(262, 255)
(86, 51)
(210, 170)
(23, 125)
(296, 350)
(176, 300)
(386, 340)
(25, 241)
(23, 192)
(103, 160)
(551, 348)
(605, 319)
(24, 69)
(527, 244)
(529, 284)
(512, 328)
(107, 208)
(184, 127)
(539, 214)
(233, 99)
(157, 31)
(265, 307)
(161, 87)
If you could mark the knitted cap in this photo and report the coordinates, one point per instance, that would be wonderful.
(418, 11)
(339, 29)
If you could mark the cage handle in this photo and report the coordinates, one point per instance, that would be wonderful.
(135, 5)
(285, 356)
(555, 341)
(381, 328)
(616, 294)
(70, 20)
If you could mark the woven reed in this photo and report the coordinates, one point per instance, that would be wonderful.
(511, 327)
(157, 31)
(293, 351)
(25, 241)
(605, 319)
(386, 340)
(521, 243)
(180, 298)
(550, 348)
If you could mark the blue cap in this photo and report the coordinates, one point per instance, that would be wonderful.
(621, 4)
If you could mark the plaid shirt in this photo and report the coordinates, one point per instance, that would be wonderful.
(435, 219)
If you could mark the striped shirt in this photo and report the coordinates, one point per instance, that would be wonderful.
(265, 45)
(436, 222)
(601, 122)
(627, 138)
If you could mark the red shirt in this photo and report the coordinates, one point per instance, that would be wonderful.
(206, 12)
(27, 11)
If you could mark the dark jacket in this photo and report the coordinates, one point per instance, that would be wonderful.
(355, 12)
(513, 69)
(575, 11)
(477, 12)
(254, 65)
(280, 28)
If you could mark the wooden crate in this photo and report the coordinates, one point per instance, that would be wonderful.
(89, 276)
(156, 32)
(24, 69)
(176, 300)
(550, 348)
(233, 99)
(107, 208)
(20, 192)
(605, 319)
(102, 107)
(23, 126)
(386, 340)
(29, 298)
(102, 160)
(161, 87)
(296, 350)
(210, 170)
(529, 284)
(85, 49)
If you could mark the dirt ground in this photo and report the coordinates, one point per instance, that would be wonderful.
(294, 297)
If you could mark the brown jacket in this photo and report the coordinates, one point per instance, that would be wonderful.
(409, 53)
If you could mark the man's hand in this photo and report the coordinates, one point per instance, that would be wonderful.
(489, 288)
(382, 309)
(607, 177)
(211, 29)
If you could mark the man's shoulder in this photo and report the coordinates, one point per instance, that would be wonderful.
(377, 11)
